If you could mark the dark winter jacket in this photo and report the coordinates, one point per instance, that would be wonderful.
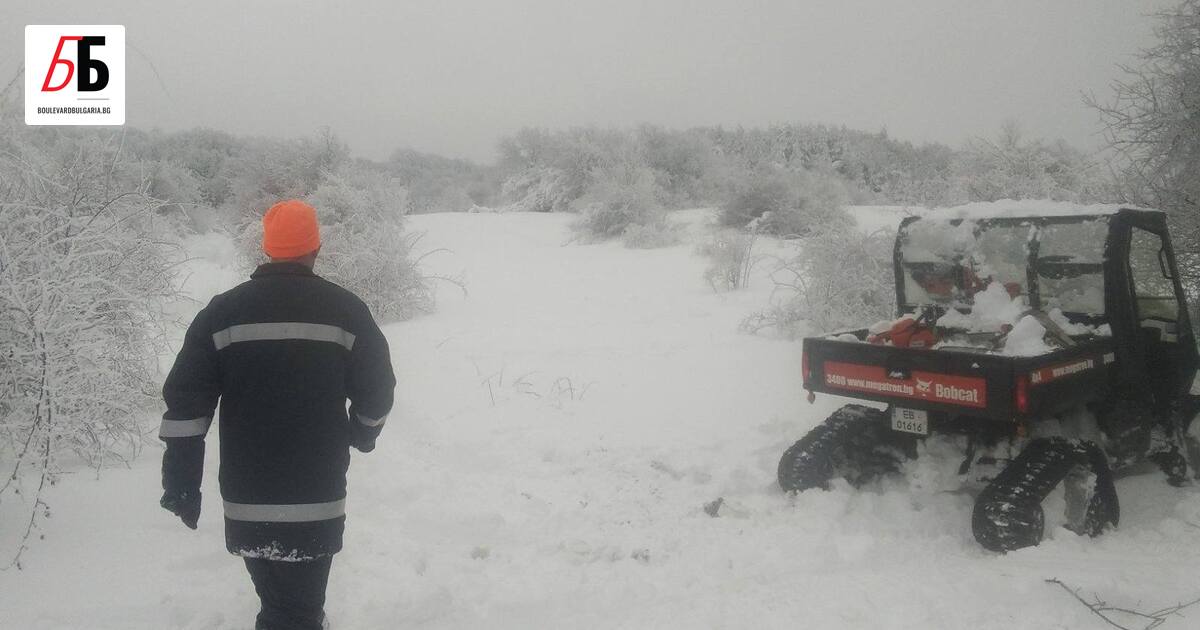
(283, 352)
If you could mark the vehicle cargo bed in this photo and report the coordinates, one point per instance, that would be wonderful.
(958, 381)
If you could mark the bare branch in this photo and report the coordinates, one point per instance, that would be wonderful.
(1102, 610)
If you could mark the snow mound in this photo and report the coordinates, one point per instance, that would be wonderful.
(1026, 339)
(993, 309)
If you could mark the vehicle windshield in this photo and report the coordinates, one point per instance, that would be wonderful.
(945, 263)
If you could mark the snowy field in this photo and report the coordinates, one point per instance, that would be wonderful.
(559, 432)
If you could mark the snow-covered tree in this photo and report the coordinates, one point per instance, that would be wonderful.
(538, 189)
(619, 198)
(839, 278)
(686, 165)
(1152, 121)
(439, 184)
(785, 203)
(1011, 167)
(84, 277)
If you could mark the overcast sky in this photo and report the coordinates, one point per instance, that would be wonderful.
(452, 77)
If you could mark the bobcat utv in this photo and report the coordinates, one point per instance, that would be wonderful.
(1059, 345)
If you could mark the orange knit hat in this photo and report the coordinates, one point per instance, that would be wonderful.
(290, 230)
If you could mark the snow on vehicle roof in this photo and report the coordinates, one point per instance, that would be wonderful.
(1014, 209)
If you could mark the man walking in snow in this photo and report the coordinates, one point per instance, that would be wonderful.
(282, 352)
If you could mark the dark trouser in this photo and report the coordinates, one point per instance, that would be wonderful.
(292, 593)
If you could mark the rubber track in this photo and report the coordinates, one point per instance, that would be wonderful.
(854, 442)
(1008, 513)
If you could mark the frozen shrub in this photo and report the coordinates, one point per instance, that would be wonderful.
(83, 285)
(730, 254)
(785, 203)
(1011, 167)
(838, 278)
(177, 187)
(269, 170)
(755, 197)
(686, 165)
(553, 169)
(651, 236)
(539, 189)
(616, 201)
(438, 184)
(701, 166)
(364, 246)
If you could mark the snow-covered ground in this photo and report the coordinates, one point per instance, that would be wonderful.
(559, 432)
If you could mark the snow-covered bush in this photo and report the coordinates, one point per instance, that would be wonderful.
(83, 285)
(619, 199)
(731, 258)
(267, 170)
(785, 203)
(553, 169)
(839, 278)
(546, 170)
(364, 245)
(686, 165)
(653, 235)
(930, 192)
(537, 189)
(439, 184)
(209, 155)
(1011, 167)
(177, 187)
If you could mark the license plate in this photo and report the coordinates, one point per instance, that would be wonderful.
(910, 420)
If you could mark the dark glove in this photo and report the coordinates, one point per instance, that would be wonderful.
(365, 447)
(184, 504)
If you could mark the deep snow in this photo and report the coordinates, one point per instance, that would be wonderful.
(559, 432)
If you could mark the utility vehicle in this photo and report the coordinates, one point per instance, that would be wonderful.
(1086, 367)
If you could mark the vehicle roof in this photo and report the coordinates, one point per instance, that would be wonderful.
(1025, 209)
